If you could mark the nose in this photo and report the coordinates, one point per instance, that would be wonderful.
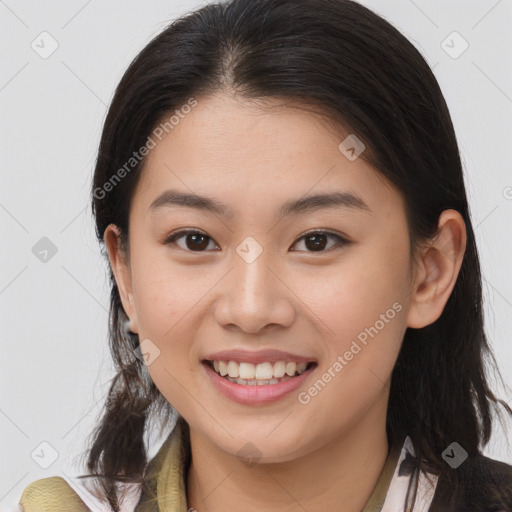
(254, 297)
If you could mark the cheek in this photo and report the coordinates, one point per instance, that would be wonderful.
(165, 296)
(354, 293)
(157, 304)
(362, 308)
(165, 293)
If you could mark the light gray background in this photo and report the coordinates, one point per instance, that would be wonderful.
(54, 363)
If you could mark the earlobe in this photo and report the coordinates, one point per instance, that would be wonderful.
(438, 269)
(121, 271)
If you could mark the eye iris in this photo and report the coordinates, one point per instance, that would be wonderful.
(195, 237)
(317, 244)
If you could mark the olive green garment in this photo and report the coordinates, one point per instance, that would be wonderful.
(175, 455)
(54, 494)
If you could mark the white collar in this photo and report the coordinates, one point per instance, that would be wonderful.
(394, 502)
(397, 492)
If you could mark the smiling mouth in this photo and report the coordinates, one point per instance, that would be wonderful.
(262, 374)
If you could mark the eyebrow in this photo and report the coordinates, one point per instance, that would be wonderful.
(303, 205)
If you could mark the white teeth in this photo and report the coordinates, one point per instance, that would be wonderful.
(255, 382)
(279, 369)
(259, 374)
(247, 371)
(290, 369)
(233, 369)
(264, 371)
(301, 367)
(223, 368)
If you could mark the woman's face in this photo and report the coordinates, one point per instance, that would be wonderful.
(260, 285)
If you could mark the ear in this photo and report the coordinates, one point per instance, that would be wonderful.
(122, 272)
(437, 268)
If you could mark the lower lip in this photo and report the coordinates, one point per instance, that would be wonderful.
(253, 395)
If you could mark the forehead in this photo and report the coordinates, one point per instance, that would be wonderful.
(249, 154)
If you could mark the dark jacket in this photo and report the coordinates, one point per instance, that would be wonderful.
(479, 484)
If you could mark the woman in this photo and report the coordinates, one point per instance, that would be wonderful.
(294, 276)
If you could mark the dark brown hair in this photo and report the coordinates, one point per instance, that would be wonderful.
(339, 58)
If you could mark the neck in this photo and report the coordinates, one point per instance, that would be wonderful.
(340, 475)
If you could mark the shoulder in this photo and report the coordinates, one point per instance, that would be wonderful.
(58, 494)
(52, 494)
(491, 477)
(483, 484)
(494, 468)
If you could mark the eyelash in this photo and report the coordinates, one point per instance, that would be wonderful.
(171, 239)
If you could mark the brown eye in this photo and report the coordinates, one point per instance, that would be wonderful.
(197, 241)
(316, 241)
(194, 240)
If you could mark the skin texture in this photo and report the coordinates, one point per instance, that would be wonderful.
(327, 454)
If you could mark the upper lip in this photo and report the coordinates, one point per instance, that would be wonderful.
(256, 357)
